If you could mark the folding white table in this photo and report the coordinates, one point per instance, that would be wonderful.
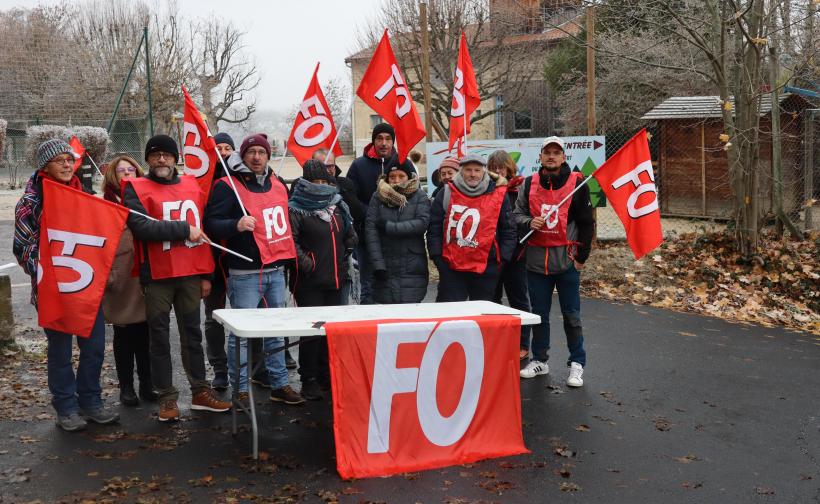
(309, 322)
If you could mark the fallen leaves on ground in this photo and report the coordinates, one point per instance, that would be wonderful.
(568, 486)
(704, 273)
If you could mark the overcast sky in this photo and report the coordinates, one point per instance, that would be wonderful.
(287, 38)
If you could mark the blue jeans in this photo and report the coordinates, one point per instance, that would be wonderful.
(265, 290)
(69, 393)
(568, 284)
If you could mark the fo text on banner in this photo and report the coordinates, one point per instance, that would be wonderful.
(411, 395)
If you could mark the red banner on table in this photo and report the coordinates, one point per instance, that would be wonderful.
(420, 394)
(199, 148)
(384, 89)
(79, 235)
(628, 180)
(313, 128)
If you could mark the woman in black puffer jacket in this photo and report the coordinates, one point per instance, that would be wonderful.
(397, 218)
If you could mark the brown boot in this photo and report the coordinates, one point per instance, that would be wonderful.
(286, 395)
(168, 411)
(206, 400)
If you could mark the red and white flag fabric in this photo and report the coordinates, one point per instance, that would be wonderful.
(76, 255)
(79, 152)
(313, 127)
(424, 393)
(198, 147)
(465, 98)
(628, 180)
(385, 90)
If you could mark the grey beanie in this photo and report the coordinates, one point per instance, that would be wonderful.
(50, 149)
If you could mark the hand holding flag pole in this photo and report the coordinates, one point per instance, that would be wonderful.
(204, 238)
(554, 210)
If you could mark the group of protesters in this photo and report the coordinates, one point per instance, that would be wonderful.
(487, 230)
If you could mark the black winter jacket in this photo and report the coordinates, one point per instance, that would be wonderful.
(366, 170)
(223, 213)
(322, 251)
(395, 243)
(504, 233)
(146, 230)
(348, 190)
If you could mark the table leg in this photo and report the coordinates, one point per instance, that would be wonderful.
(235, 389)
(252, 406)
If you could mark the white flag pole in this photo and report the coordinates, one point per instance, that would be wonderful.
(206, 240)
(344, 123)
(7, 266)
(230, 180)
(95, 165)
(554, 209)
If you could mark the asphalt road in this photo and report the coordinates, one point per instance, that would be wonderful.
(676, 408)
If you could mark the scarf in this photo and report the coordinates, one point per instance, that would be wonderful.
(319, 200)
(472, 192)
(396, 195)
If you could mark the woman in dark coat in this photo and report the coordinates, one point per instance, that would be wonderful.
(397, 218)
(513, 278)
(323, 233)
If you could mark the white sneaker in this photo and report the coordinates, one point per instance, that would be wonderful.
(535, 368)
(575, 377)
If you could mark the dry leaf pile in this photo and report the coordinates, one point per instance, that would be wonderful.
(703, 273)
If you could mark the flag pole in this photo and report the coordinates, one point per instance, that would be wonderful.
(206, 240)
(95, 165)
(554, 209)
(282, 159)
(230, 180)
(344, 123)
(465, 126)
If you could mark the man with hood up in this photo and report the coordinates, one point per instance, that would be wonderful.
(365, 172)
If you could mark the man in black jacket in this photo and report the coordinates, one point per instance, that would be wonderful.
(471, 233)
(556, 251)
(214, 332)
(175, 266)
(264, 235)
(365, 172)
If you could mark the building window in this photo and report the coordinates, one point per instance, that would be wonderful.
(375, 119)
(522, 121)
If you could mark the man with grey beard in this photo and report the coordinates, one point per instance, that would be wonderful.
(175, 265)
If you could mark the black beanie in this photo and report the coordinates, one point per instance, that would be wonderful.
(316, 170)
(224, 138)
(383, 128)
(406, 167)
(162, 143)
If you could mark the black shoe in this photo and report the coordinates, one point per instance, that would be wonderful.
(220, 381)
(289, 362)
(128, 397)
(148, 394)
(312, 391)
(261, 380)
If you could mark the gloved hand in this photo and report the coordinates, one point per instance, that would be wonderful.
(380, 275)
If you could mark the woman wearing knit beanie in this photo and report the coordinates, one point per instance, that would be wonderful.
(397, 218)
(76, 398)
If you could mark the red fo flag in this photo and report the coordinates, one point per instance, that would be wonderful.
(424, 393)
(314, 126)
(79, 152)
(628, 181)
(75, 256)
(384, 89)
(199, 148)
(465, 98)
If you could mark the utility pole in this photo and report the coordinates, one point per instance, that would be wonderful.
(591, 119)
(425, 71)
(148, 76)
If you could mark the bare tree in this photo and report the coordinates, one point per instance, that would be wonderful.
(732, 36)
(505, 58)
(224, 74)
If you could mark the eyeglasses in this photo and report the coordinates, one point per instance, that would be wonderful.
(63, 160)
(158, 155)
(124, 169)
